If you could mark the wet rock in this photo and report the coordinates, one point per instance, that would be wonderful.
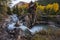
(17, 24)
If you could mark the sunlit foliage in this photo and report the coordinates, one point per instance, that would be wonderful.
(41, 7)
(54, 6)
(49, 7)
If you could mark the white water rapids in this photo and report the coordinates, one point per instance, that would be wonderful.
(15, 19)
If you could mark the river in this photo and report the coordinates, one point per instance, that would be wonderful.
(33, 30)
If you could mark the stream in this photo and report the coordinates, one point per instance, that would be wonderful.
(14, 19)
(33, 30)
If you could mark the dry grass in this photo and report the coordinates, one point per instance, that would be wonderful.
(47, 35)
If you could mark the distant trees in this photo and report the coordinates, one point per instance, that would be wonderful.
(49, 8)
(45, 2)
(42, 5)
(20, 10)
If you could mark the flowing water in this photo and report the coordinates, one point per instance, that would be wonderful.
(38, 28)
(15, 19)
(33, 30)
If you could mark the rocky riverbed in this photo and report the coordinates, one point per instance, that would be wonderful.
(5, 35)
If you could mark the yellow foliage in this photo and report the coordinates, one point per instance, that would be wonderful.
(41, 7)
(36, 3)
(23, 6)
(49, 7)
(55, 7)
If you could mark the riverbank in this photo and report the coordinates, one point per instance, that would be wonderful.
(40, 31)
(50, 34)
(47, 35)
(45, 19)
